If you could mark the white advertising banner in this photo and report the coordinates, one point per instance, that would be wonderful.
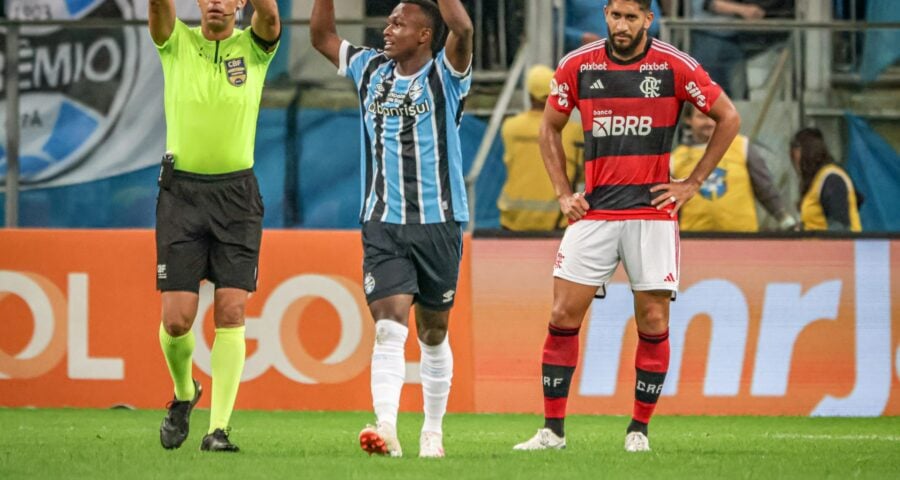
(90, 99)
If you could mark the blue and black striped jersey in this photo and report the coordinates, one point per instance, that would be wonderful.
(412, 168)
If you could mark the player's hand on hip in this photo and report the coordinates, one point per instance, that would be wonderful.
(574, 206)
(674, 194)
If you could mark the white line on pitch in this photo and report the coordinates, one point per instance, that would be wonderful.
(797, 436)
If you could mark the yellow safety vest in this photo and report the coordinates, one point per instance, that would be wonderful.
(811, 211)
(725, 201)
(527, 201)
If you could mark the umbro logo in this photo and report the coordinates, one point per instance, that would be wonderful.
(597, 85)
(369, 283)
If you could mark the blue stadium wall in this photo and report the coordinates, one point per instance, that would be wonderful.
(326, 144)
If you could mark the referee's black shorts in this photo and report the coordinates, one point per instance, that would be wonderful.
(419, 260)
(208, 226)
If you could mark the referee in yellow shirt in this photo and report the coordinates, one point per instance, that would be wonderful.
(209, 212)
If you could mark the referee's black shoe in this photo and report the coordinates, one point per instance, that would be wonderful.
(218, 441)
(174, 429)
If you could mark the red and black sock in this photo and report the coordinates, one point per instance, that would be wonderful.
(651, 363)
(559, 361)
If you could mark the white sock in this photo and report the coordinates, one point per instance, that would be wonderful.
(436, 371)
(388, 369)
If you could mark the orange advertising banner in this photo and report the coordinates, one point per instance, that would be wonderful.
(80, 318)
(761, 327)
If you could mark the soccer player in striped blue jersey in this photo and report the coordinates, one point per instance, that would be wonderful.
(413, 196)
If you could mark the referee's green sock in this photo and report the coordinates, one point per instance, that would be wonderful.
(179, 353)
(228, 353)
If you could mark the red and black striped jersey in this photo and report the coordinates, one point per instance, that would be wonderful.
(629, 111)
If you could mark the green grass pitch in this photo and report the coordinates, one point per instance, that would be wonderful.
(97, 444)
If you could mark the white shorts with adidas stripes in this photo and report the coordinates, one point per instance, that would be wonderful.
(650, 250)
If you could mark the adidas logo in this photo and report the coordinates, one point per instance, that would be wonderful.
(597, 85)
(669, 278)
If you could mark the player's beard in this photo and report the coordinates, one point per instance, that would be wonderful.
(628, 50)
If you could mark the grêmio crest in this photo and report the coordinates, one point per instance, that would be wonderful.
(236, 70)
(73, 82)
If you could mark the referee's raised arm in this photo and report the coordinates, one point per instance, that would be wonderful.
(323, 32)
(265, 22)
(459, 40)
(161, 19)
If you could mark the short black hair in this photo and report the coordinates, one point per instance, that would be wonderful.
(433, 14)
(644, 4)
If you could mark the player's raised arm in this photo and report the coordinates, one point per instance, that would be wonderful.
(161, 19)
(459, 40)
(322, 31)
(573, 206)
(265, 22)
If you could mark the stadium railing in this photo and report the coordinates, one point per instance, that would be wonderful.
(794, 61)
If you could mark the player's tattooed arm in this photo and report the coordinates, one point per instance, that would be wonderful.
(323, 32)
(572, 205)
(459, 40)
(161, 20)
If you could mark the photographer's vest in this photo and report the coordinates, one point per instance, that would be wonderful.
(725, 201)
(811, 212)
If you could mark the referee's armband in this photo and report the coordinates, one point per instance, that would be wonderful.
(263, 43)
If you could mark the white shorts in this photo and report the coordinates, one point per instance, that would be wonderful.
(650, 250)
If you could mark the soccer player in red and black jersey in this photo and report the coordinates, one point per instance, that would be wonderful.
(629, 89)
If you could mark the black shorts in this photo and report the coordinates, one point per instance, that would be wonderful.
(420, 260)
(208, 226)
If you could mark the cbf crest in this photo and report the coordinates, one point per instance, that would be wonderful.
(236, 70)
(715, 185)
